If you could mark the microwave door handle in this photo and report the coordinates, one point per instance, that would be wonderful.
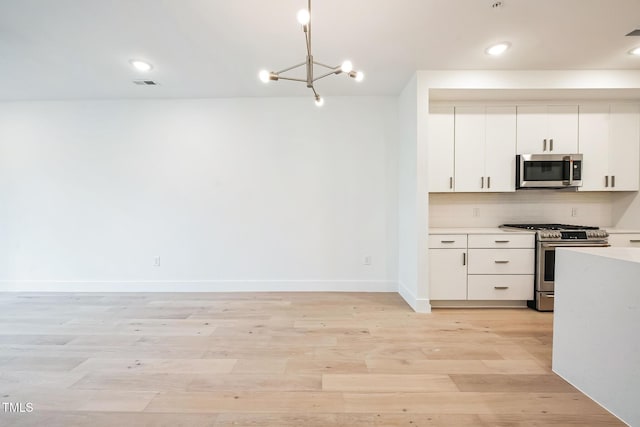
(569, 160)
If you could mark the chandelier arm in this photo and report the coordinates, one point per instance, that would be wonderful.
(291, 68)
(314, 91)
(324, 75)
(326, 66)
(292, 79)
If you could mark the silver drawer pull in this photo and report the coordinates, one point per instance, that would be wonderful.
(501, 261)
(634, 240)
(447, 241)
(501, 287)
(502, 241)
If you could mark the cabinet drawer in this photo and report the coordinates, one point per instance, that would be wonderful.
(504, 240)
(500, 287)
(448, 241)
(501, 261)
(630, 240)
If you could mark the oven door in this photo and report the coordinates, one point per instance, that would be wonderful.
(546, 261)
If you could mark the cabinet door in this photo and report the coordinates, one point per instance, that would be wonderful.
(593, 132)
(441, 146)
(563, 129)
(532, 129)
(500, 149)
(469, 149)
(447, 274)
(624, 147)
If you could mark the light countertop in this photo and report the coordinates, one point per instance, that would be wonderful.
(612, 230)
(488, 230)
(619, 253)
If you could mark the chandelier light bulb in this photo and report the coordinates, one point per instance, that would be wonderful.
(357, 75)
(319, 101)
(347, 67)
(264, 76)
(635, 51)
(303, 16)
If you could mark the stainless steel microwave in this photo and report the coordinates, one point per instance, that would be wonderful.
(548, 170)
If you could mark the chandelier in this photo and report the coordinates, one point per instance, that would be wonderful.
(304, 18)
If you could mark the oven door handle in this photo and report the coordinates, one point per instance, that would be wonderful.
(574, 245)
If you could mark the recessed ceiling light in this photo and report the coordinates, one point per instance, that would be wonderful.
(498, 49)
(635, 51)
(141, 65)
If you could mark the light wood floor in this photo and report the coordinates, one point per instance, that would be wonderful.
(278, 359)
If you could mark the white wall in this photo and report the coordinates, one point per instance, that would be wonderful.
(232, 194)
(527, 206)
(626, 210)
(410, 214)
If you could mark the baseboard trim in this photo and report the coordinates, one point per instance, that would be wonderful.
(199, 286)
(419, 305)
(478, 304)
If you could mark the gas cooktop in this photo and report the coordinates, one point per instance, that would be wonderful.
(559, 227)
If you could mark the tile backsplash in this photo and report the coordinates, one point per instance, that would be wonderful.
(529, 206)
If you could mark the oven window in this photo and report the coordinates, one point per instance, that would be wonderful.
(544, 171)
(549, 265)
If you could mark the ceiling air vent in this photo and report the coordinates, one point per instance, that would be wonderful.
(634, 33)
(145, 83)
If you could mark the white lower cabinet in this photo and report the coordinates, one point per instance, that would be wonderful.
(631, 240)
(448, 274)
(501, 261)
(500, 287)
(482, 267)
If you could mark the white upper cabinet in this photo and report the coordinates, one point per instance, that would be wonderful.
(469, 152)
(547, 129)
(610, 144)
(594, 146)
(441, 149)
(500, 148)
(624, 147)
(485, 149)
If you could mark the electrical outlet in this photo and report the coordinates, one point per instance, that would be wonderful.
(574, 211)
(156, 261)
(367, 260)
(476, 211)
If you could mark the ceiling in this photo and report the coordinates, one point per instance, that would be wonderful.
(79, 49)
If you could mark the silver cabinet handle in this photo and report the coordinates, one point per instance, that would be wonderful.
(544, 147)
(482, 182)
(447, 241)
(450, 182)
(613, 181)
(500, 287)
(464, 258)
(606, 181)
(551, 144)
(488, 182)
(502, 241)
(501, 261)
(634, 240)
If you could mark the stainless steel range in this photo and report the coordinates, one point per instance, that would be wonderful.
(548, 238)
